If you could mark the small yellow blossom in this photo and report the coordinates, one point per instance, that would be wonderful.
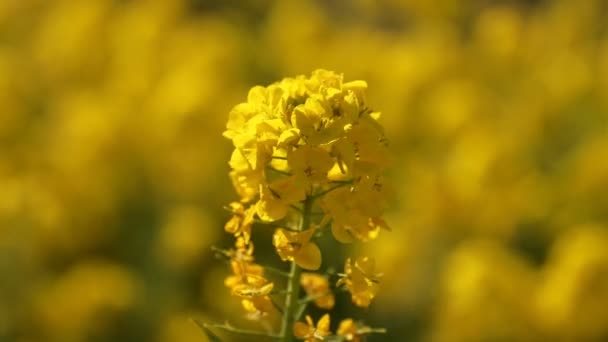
(257, 307)
(241, 221)
(310, 165)
(270, 207)
(243, 250)
(371, 147)
(249, 284)
(361, 280)
(275, 199)
(296, 246)
(352, 331)
(317, 286)
(309, 333)
(246, 183)
(247, 280)
(355, 211)
(243, 272)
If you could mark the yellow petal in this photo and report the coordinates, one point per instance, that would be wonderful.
(301, 330)
(288, 190)
(323, 325)
(308, 257)
(231, 281)
(367, 265)
(248, 305)
(326, 302)
(269, 208)
(257, 94)
(289, 137)
(347, 328)
(341, 233)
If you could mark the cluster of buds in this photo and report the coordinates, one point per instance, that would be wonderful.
(308, 157)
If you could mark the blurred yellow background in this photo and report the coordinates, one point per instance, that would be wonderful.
(113, 170)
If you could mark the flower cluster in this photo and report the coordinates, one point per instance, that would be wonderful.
(300, 138)
(247, 281)
(308, 156)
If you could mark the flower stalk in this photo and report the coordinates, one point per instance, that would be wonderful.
(293, 281)
(300, 143)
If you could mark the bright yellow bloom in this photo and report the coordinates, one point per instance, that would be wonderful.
(355, 211)
(249, 284)
(270, 207)
(310, 166)
(371, 147)
(317, 122)
(361, 280)
(276, 198)
(241, 221)
(247, 280)
(246, 183)
(244, 273)
(304, 128)
(243, 251)
(314, 141)
(309, 333)
(352, 331)
(257, 307)
(317, 286)
(296, 246)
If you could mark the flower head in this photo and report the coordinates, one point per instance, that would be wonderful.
(275, 198)
(249, 284)
(309, 333)
(296, 246)
(317, 286)
(309, 129)
(361, 280)
(240, 223)
(304, 145)
(356, 211)
(353, 331)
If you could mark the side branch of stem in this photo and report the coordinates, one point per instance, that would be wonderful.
(229, 328)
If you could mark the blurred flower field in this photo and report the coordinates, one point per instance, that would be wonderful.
(114, 171)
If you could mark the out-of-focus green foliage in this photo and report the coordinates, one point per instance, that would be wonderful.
(113, 170)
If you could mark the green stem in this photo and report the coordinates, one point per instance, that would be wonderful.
(293, 282)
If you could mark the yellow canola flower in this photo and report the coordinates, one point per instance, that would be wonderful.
(296, 246)
(309, 333)
(310, 166)
(246, 183)
(241, 221)
(371, 147)
(314, 124)
(249, 284)
(297, 141)
(276, 198)
(361, 280)
(244, 270)
(355, 212)
(317, 286)
(350, 330)
(244, 273)
(302, 128)
(573, 294)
